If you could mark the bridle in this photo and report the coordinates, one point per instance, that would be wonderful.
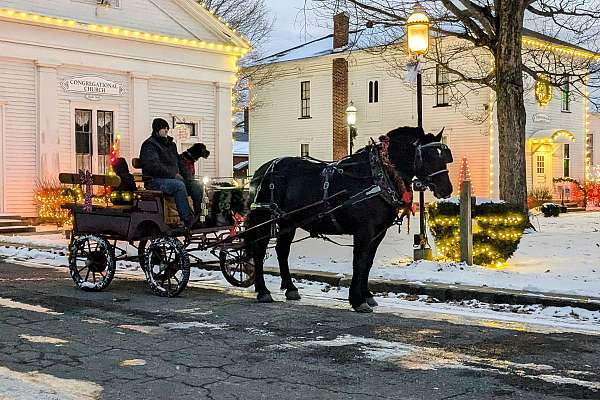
(445, 154)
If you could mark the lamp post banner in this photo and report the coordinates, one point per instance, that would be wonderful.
(413, 69)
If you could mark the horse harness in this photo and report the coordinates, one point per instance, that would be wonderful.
(382, 186)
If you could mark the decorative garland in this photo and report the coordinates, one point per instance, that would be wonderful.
(406, 194)
(574, 182)
(87, 181)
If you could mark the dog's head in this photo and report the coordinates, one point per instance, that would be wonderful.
(198, 151)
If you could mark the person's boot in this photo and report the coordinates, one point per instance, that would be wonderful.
(192, 221)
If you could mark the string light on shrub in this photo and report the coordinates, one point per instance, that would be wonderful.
(497, 230)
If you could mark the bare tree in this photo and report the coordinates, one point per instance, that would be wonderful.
(489, 34)
(253, 19)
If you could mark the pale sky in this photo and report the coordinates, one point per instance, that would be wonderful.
(290, 28)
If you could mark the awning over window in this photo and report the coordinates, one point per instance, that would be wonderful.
(551, 136)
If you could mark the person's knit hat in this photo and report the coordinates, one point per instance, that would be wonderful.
(159, 124)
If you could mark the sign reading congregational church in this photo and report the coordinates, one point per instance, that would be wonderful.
(93, 87)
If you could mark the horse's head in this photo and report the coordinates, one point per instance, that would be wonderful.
(415, 153)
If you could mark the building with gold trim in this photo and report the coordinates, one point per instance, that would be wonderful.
(76, 73)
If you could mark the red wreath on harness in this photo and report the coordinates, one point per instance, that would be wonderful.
(238, 221)
(408, 207)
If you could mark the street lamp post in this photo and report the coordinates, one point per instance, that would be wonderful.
(351, 120)
(417, 27)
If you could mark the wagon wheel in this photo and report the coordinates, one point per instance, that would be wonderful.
(237, 267)
(141, 249)
(167, 266)
(91, 263)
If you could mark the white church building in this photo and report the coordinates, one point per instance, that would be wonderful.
(74, 74)
(302, 111)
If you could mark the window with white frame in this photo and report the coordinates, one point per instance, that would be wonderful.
(540, 164)
(94, 137)
(442, 80)
(373, 91)
(566, 160)
(305, 99)
(566, 96)
(304, 150)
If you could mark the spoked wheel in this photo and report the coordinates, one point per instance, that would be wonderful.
(167, 266)
(236, 266)
(141, 250)
(91, 263)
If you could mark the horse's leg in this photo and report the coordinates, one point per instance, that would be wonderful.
(258, 241)
(371, 256)
(282, 248)
(357, 299)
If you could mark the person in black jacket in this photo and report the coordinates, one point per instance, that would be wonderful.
(161, 169)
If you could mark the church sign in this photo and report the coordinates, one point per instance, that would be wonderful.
(93, 87)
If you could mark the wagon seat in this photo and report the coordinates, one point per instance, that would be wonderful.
(170, 209)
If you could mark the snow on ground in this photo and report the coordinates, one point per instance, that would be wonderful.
(519, 317)
(562, 256)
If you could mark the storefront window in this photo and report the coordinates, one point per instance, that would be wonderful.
(83, 139)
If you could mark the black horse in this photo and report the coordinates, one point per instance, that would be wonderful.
(360, 195)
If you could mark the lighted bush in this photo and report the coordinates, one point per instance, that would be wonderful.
(49, 196)
(497, 231)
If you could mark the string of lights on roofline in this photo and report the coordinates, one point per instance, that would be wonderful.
(126, 33)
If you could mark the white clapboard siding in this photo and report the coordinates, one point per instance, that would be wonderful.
(18, 90)
(594, 125)
(166, 18)
(120, 105)
(192, 100)
(555, 119)
(276, 129)
(397, 101)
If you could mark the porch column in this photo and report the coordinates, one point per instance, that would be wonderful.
(224, 140)
(48, 161)
(141, 124)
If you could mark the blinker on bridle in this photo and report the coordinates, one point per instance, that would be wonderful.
(445, 154)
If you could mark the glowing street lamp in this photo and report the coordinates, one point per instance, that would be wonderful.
(417, 26)
(351, 120)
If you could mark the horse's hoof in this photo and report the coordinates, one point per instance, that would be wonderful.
(363, 308)
(292, 295)
(371, 301)
(264, 298)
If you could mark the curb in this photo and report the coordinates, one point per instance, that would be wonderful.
(440, 291)
(450, 292)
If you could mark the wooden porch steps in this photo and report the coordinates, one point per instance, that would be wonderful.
(11, 224)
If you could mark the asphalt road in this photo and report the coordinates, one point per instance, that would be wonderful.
(57, 342)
